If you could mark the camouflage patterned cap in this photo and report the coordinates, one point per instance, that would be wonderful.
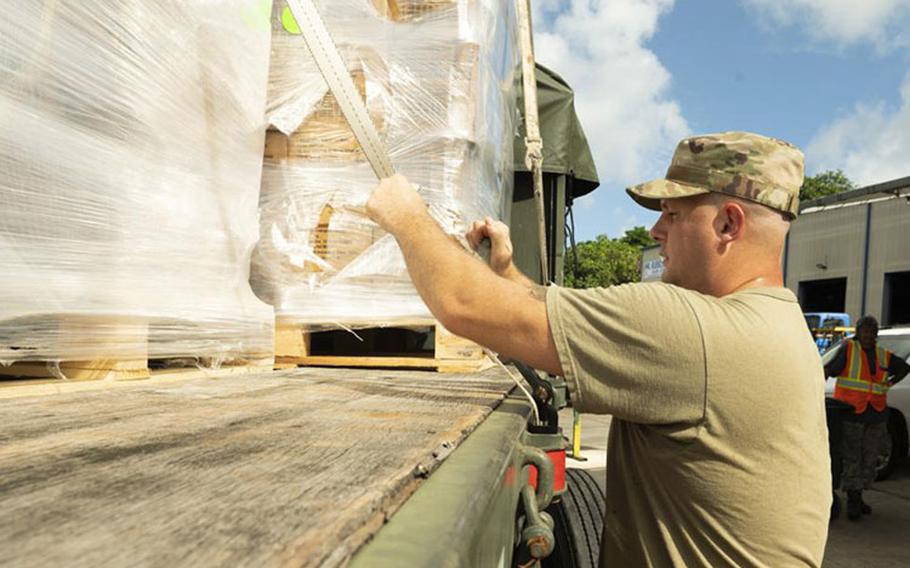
(746, 165)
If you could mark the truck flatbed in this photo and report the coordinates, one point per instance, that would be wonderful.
(297, 467)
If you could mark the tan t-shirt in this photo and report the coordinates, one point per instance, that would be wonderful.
(718, 453)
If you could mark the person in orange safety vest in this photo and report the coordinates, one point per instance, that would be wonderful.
(864, 372)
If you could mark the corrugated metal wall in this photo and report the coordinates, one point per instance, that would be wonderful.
(832, 244)
(889, 249)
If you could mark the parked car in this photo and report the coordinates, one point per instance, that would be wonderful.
(896, 340)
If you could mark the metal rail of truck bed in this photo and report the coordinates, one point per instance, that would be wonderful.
(298, 467)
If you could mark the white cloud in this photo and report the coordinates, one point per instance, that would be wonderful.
(585, 203)
(871, 144)
(625, 219)
(621, 88)
(882, 23)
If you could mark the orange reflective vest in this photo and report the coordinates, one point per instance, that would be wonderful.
(857, 384)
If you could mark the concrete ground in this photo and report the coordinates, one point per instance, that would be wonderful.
(879, 540)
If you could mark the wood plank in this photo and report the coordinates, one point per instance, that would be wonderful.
(298, 467)
(42, 384)
(107, 348)
(452, 347)
(367, 361)
(98, 369)
(109, 371)
(451, 354)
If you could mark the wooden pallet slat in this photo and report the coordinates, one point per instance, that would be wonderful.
(114, 349)
(126, 370)
(450, 353)
(98, 369)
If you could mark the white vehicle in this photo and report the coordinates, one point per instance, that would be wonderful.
(896, 340)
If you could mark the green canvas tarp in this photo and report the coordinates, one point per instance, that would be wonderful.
(565, 147)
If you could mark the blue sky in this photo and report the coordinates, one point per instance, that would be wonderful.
(831, 76)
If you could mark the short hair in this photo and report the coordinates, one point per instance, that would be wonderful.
(756, 209)
(866, 321)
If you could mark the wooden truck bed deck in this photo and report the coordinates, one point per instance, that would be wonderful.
(290, 467)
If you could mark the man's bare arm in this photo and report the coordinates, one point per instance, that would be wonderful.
(462, 292)
(899, 369)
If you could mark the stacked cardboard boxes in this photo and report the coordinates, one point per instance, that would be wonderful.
(130, 160)
(437, 78)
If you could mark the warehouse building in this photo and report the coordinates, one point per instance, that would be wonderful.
(851, 253)
(848, 252)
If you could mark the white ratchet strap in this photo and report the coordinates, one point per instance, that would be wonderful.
(336, 75)
(335, 72)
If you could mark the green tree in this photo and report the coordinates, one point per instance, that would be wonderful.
(825, 183)
(605, 261)
(638, 237)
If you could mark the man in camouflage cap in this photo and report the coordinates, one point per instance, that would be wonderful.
(761, 176)
(740, 164)
(718, 446)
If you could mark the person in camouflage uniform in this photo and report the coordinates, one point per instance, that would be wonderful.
(864, 431)
(738, 164)
(718, 452)
(863, 447)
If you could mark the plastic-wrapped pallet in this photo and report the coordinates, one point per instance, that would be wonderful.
(131, 138)
(437, 78)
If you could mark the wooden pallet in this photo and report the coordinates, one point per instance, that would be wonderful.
(42, 385)
(127, 370)
(414, 344)
(116, 349)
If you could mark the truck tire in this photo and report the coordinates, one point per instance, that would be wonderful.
(897, 432)
(579, 519)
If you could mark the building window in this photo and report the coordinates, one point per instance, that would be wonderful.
(827, 295)
(896, 299)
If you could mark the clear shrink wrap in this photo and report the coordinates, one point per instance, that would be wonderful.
(131, 137)
(437, 77)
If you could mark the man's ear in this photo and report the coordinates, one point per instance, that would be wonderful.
(731, 222)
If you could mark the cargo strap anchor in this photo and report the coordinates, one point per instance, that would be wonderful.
(537, 534)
